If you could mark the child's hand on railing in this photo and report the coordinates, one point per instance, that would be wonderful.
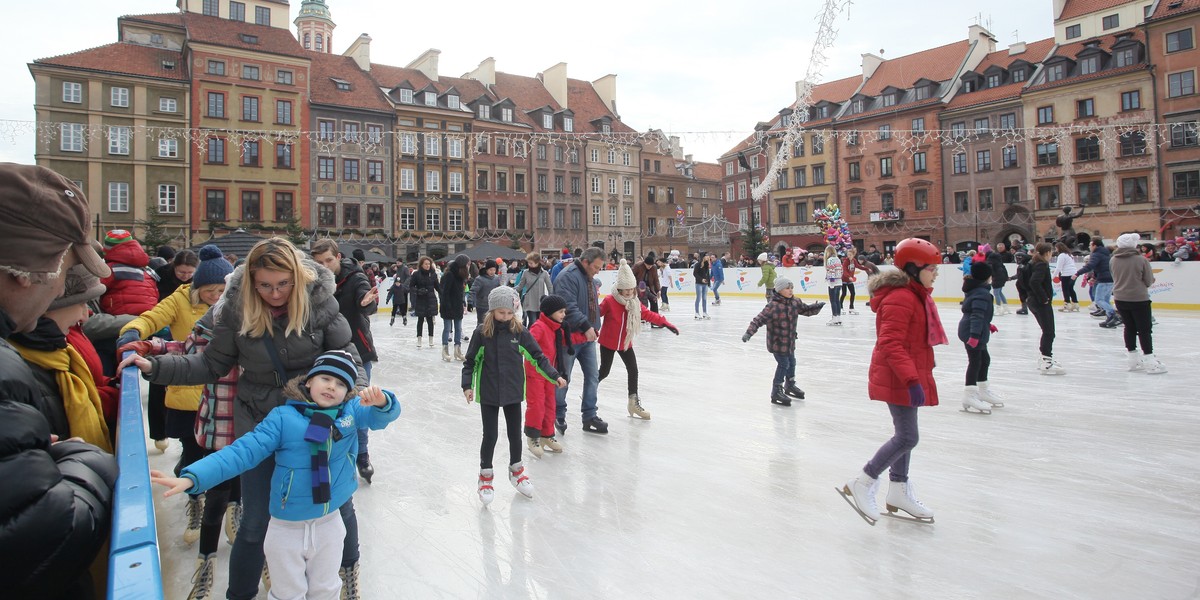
(136, 360)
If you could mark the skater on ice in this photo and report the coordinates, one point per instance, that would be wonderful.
(1132, 278)
(623, 314)
(780, 316)
(1041, 297)
(975, 329)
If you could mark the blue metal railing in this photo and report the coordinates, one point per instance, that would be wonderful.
(134, 571)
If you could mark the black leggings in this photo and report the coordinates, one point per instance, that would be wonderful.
(215, 501)
(978, 361)
(627, 357)
(1044, 314)
(847, 287)
(421, 321)
(1138, 324)
(399, 310)
(192, 452)
(1068, 289)
(491, 425)
(156, 411)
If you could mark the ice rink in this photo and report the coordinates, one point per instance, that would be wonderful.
(1084, 486)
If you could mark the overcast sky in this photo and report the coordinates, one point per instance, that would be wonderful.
(682, 66)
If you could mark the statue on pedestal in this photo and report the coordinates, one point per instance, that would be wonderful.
(1066, 223)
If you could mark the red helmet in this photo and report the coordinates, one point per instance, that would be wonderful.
(917, 251)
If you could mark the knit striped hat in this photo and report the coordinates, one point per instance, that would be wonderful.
(116, 236)
(335, 363)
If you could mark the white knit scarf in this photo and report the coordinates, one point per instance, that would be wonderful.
(633, 316)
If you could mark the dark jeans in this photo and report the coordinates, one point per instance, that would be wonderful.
(215, 501)
(978, 361)
(531, 317)
(835, 303)
(156, 412)
(421, 323)
(663, 292)
(847, 288)
(447, 325)
(627, 357)
(785, 368)
(399, 310)
(1044, 313)
(491, 426)
(895, 452)
(652, 302)
(1068, 289)
(1138, 324)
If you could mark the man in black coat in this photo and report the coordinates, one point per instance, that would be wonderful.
(56, 506)
(995, 260)
(358, 299)
(872, 256)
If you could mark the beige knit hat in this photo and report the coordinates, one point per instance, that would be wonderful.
(79, 287)
(625, 278)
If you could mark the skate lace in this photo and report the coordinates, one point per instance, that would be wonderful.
(235, 519)
(912, 497)
(195, 512)
(202, 581)
(350, 583)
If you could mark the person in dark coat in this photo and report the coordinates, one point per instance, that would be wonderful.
(995, 260)
(179, 271)
(423, 285)
(398, 294)
(454, 304)
(1041, 294)
(780, 317)
(646, 273)
(1099, 265)
(974, 331)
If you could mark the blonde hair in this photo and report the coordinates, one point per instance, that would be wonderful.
(275, 254)
(830, 252)
(194, 293)
(488, 329)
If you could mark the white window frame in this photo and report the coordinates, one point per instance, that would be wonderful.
(595, 184)
(612, 185)
(612, 216)
(729, 166)
(168, 148)
(628, 187)
(70, 137)
(626, 159)
(596, 214)
(408, 218)
(433, 145)
(408, 179)
(454, 219)
(408, 143)
(433, 181)
(72, 92)
(454, 148)
(452, 101)
(168, 198)
(119, 97)
(568, 124)
(547, 121)
(430, 98)
(168, 105)
(628, 216)
(612, 157)
(118, 196)
(433, 219)
(455, 183)
(406, 96)
(118, 140)
(506, 115)
(485, 111)
(703, 192)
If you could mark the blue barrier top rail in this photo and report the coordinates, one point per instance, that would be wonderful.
(134, 571)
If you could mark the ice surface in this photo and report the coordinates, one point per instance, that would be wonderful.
(1083, 486)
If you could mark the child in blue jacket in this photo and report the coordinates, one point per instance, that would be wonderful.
(314, 440)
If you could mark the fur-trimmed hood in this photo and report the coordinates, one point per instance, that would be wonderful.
(320, 292)
(888, 278)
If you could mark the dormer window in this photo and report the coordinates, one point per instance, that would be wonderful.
(406, 96)
(889, 99)
(452, 101)
(1055, 72)
(605, 128)
(568, 124)
(1089, 65)
(1124, 57)
(430, 98)
(341, 84)
(156, 39)
(1018, 75)
(994, 80)
(857, 106)
(786, 121)
(547, 121)
(253, 39)
(168, 65)
(823, 112)
(506, 115)
(485, 111)
(968, 86)
(923, 92)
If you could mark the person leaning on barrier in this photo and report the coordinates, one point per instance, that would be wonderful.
(56, 506)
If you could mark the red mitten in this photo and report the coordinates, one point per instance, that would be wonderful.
(973, 342)
(993, 328)
(141, 347)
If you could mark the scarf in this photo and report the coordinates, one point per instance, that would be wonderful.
(633, 316)
(937, 333)
(81, 400)
(593, 310)
(562, 347)
(319, 436)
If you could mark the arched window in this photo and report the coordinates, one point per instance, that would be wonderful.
(320, 42)
(307, 41)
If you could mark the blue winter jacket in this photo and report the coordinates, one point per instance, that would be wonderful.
(1098, 265)
(573, 285)
(977, 309)
(282, 433)
(717, 271)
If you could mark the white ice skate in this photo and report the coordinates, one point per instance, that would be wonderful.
(901, 497)
(1152, 366)
(535, 446)
(519, 480)
(987, 395)
(550, 444)
(859, 493)
(1049, 366)
(1135, 361)
(972, 403)
(486, 491)
(195, 516)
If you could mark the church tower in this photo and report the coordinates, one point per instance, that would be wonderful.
(314, 26)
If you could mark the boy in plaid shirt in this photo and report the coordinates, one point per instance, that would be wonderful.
(780, 317)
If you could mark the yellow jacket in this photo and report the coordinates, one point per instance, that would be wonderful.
(179, 314)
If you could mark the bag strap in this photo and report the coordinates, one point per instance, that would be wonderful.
(280, 372)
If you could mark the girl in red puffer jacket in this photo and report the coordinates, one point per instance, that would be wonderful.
(907, 328)
(132, 287)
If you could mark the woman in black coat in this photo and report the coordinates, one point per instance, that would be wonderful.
(423, 283)
(999, 278)
(454, 304)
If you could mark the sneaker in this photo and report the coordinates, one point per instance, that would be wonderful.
(519, 480)
(595, 425)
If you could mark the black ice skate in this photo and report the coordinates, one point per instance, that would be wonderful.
(793, 391)
(365, 470)
(778, 397)
(595, 425)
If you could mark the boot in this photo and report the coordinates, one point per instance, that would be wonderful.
(666, 307)
(1152, 365)
(418, 342)
(595, 425)
(901, 497)
(1111, 322)
(446, 352)
(790, 389)
(486, 492)
(535, 446)
(161, 445)
(202, 580)
(266, 578)
(458, 355)
(1049, 366)
(550, 444)
(519, 480)
(431, 340)
(365, 470)
(778, 397)
(392, 322)
(972, 403)
(404, 320)
(561, 426)
(1098, 312)
(349, 576)
(195, 517)
(233, 521)
(862, 491)
(1024, 310)
(1066, 307)
(1074, 307)
(1135, 361)
(987, 395)
(635, 408)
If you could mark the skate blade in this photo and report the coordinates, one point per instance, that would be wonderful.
(897, 514)
(974, 411)
(996, 405)
(850, 500)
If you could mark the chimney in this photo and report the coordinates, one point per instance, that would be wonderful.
(485, 73)
(427, 63)
(803, 88)
(360, 51)
(1016, 48)
(985, 39)
(870, 62)
(606, 88)
(555, 81)
(1059, 5)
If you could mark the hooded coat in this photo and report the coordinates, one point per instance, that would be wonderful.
(1132, 276)
(1041, 286)
(978, 310)
(902, 354)
(259, 387)
(424, 288)
(352, 284)
(534, 286)
(454, 287)
(179, 314)
(999, 272)
(132, 287)
(480, 288)
(1098, 264)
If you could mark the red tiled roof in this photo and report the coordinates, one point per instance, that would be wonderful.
(389, 77)
(363, 93)
(899, 108)
(1106, 43)
(468, 89)
(583, 100)
(224, 32)
(527, 93)
(708, 171)
(837, 91)
(125, 59)
(1164, 10)
(935, 64)
(172, 19)
(1078, 8)
(1034, 53)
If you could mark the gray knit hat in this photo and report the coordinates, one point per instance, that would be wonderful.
(782, 283)
(79, 287)
(504, 297)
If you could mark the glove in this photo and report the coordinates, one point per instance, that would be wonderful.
(141, 347)
(673, 329)
(916, 395)
(128, 337)
(745, 337)
(973, 342)
(993, 328)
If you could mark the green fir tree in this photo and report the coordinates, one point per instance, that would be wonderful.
(154, 229)
(752, 237)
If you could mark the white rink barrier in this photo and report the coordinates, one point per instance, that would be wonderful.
(1176, 285)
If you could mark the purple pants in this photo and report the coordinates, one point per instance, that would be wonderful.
(895, 452)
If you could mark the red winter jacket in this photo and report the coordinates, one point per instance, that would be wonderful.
(902, 354)
(612, 332)
(132, 288)
(537, 389)
(109, 394)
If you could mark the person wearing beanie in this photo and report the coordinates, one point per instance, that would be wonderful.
(82, 287)
(702, 277)
(494, 376)
(563, 261)
(482, 286)
(974, 331)
(1132, 278)
(768, 275)
(132, 289)
(315, 427)
(533, 284)
(646, 273)
(780, 317)
(623, 314)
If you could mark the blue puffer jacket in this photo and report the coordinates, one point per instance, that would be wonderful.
(977, 309)
(282, 433)
(574, 285)
(1098, 265)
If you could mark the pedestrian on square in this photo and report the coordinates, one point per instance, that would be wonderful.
(702, 277)
(532, 285)
(623, 315)
(425, 290)
(453, 306)
(717, 269)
